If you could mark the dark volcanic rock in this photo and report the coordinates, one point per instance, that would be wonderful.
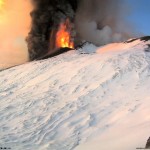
(56, 52)
(148, 48)
(145, 38)
(148, 143)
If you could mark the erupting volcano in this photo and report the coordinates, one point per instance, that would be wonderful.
(87, 83)
(52, 27)
(63, 36)
(67, 23)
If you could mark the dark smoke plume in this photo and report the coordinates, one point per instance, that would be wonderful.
(46, 18)
(102, 21)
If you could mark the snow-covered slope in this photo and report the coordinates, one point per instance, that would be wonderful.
(98, 101)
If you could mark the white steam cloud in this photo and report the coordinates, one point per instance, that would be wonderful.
(103, 21)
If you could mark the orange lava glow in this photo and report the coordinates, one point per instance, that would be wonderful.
(63, 36)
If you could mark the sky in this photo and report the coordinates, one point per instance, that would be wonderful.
(14, 27)
(140, 15)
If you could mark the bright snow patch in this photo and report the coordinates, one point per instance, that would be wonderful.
(78, 101)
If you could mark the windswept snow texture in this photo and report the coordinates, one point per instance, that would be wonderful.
(74, 101)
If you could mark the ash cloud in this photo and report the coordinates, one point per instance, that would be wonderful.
(103, 21)
(46, 18)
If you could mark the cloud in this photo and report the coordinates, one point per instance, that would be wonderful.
(103, 21)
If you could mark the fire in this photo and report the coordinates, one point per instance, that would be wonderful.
(63, 36)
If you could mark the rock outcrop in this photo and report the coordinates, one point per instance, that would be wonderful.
(148, 143)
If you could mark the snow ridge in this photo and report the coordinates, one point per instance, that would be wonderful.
(78, 101)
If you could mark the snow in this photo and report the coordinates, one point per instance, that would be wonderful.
(78, 101)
